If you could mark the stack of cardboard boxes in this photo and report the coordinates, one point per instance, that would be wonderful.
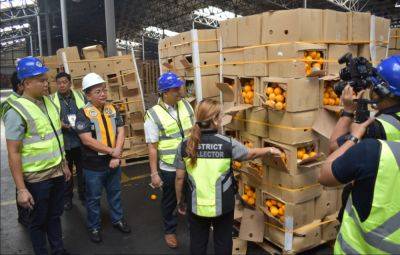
(277, 70)
(394, 42)
(124, 91)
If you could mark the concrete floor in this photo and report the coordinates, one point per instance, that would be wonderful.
(142, 214)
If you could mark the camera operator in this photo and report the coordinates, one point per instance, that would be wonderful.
(371, 220)
(386, 125)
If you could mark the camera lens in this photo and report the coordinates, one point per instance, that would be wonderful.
(339, 87)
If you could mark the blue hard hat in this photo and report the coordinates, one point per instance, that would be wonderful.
(389, 70)
(30, 67)
(169, 80)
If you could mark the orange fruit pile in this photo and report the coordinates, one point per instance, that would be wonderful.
(313, 61)
(276, 97)
(249, 195)
(236, 165)
(330, 97)
(248, 92)
(306, 152)
(276, 208)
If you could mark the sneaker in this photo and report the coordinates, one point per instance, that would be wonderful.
(68, 206)
(122, 226)
(95, 236)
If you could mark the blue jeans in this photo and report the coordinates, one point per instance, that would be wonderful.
(110, 179)
(45, 216)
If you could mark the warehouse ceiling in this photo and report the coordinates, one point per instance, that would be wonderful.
(86, 19)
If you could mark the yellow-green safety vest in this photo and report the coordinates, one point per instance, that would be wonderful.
(42, 146)
(391, 125)
(211, 182)
(4, 106)
(79, 99)
(170, 132)
(380, 232)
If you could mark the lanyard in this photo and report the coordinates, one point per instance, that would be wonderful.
(178, 121)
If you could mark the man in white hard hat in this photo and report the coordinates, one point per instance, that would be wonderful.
(101, 130)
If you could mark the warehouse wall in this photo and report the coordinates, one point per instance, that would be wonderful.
(7, 64)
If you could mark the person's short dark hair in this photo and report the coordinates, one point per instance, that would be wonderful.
(15, 82)
(63, 74)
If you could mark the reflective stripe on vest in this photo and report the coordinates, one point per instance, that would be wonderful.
(100, 127)
(78, 96)
(209, 178)
(5, 106)
(380, 232)
(41, 149)
(169, 132)
(391, 126)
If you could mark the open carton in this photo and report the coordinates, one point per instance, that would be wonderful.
(113, 80)
(209, 63)
(297, 60)
(297, 95)
(277, 210)
(329, 100)
(248, 194)
(289, 161)
(129, 79)
(324, 124)
(167, 64)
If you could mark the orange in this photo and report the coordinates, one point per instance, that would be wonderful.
(284, 106)
(250, 95)
(268, 203)
(283, 206)
(300, 154)
(250, 145)
(281, 212)
(332, 101)
(274, 210)
(279, 106)
(269, 90)
(282, 218)
(302, 149)
(326, 95)
(246, 188)
(245, 197)
(273, 202)
(247, 101)
(320, 61)
(305, 156)
(247, 88)
(278, 91)
(251, 201)
(325, 101)
(333, 94)
(309, 60)
(308, 71)
(313, 54)
(272, 96)
(244, 94)
(337, 101)
(280, 204)
(318, 54)
(271, 103)
(153, 197)
(250, 193)
(312, 154)
(279, 98)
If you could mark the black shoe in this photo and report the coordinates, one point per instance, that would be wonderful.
(122, 226)
(95, 236)
(68, 206)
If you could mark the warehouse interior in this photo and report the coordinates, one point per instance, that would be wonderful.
(133, 36)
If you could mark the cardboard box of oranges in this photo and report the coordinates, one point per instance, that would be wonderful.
(294, 159)
(297, 60)
(249, 195)
(257, 121)
(291, 95)
(277, 209)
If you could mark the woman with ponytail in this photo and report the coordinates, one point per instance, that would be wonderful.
(206, 157)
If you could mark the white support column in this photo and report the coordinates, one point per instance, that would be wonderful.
(64, 23)
(110, 27)
(196, 66)
(138, 78)
(39, 35)
(221, 60)
(31, 44)
(65, 62)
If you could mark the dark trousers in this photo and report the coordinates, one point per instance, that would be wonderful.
(45, 216)
(168, 202)
(199, 228)
(23, 213)
(73, 157)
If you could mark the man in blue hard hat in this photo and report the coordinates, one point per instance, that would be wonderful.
(371, 164)
(166, 125)
(36, 156)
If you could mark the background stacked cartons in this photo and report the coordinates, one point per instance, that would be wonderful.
(176, 54)
(52, 63)
(124, 92)
(394, 42)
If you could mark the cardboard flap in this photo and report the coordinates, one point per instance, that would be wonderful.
(324, 123)
(168, 65)
(228, 94)
(226, 119)
(186, 61)
(239, 246)
(306, 162)
(330, 78)
(318, 73)
(238, 108)
(274, 161)
(310, 46)
(333, 108)
(311, 166)
(252, 226)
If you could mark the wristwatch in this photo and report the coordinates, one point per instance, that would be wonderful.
(352, 138)
(346, 114)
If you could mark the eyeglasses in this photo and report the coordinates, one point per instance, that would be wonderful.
(98, 92)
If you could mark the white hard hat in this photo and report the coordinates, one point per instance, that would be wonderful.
(90, 80)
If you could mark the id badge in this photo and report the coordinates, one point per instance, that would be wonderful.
(72, 119)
